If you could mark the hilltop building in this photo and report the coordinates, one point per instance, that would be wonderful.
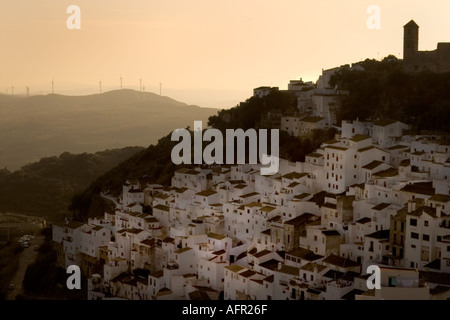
(415, 61)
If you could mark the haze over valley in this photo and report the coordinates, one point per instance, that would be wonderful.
(41, 126)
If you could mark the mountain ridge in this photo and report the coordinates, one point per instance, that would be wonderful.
(39, 126)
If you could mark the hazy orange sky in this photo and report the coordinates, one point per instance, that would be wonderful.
(205, 52)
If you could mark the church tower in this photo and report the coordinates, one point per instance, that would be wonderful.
(410, 41)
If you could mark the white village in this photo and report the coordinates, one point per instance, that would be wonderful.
(374, 195)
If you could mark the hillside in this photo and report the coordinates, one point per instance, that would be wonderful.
(155, 164)
(42, 126)
(381, 91)
(45, 188)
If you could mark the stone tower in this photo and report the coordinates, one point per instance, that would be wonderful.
(410, 41)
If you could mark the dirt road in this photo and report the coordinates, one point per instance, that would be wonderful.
(27, 257)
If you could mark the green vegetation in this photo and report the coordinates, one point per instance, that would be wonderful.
(384, 91)
(154, 163)
(249, 113)
(45, 188)
(9, 262)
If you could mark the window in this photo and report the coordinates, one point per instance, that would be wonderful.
(413, 222)
(439, 238)
(414, 235)
(425, 223)
(392, 282)
(425, 237)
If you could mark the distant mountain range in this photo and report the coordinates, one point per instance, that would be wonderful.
(41, 126)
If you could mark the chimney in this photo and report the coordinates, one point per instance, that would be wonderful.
(411, 206)
(279, 265)
(439, 210)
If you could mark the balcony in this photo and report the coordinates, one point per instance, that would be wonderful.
(340, 284)
(283, 283)
(445, 224)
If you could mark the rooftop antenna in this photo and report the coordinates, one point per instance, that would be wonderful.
(160, 86)
(120, 82)
(100, 85)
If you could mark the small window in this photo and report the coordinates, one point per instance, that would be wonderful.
(414, 235)
(413, 222)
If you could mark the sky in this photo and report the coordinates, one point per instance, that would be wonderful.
(206, 52)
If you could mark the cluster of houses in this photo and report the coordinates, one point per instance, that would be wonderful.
(372, 196)
(317, 103)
